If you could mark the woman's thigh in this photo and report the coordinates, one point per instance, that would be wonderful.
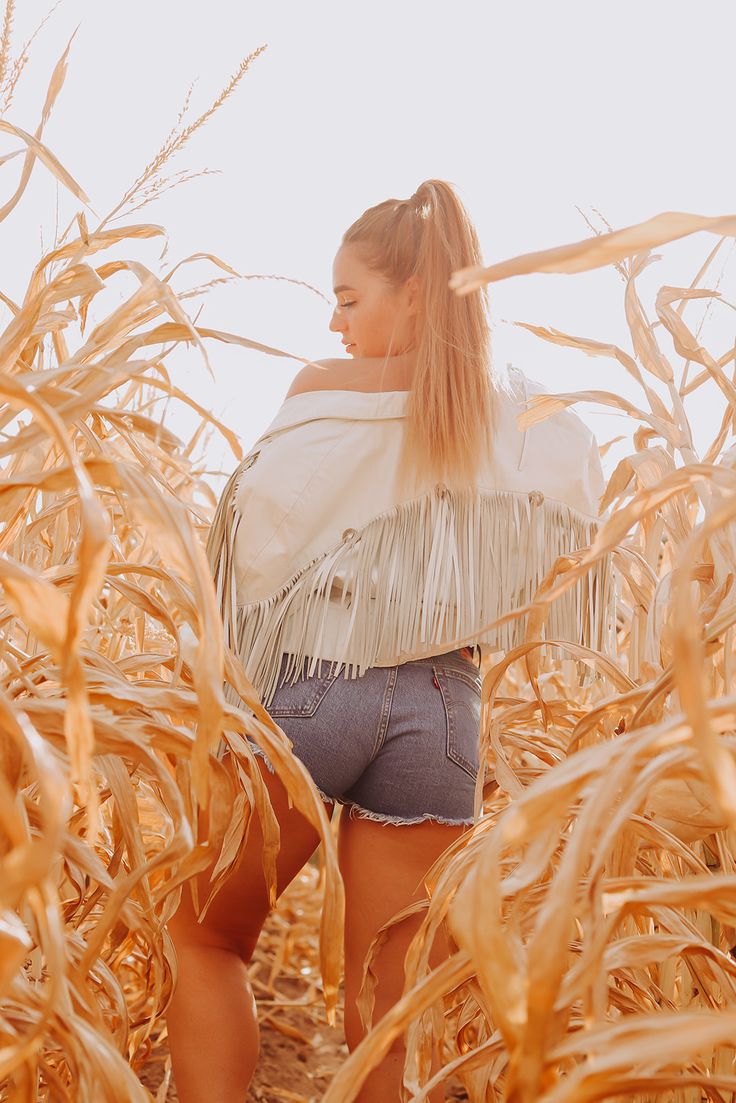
(238, 912)
(383, 867)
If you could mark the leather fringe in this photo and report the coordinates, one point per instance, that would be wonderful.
(450, 561)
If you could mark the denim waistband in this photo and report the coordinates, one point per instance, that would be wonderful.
(455, 659)
(448, 658)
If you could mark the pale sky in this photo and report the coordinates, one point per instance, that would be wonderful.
(532, 109)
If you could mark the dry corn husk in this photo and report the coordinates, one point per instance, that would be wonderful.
(592, 904)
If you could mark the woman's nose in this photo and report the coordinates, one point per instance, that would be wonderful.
(335, 325)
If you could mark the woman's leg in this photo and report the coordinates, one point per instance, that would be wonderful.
(383, 866)
(212, 1020)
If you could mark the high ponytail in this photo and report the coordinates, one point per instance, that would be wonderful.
(449, 415)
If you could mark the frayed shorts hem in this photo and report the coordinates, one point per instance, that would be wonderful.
(355, 811)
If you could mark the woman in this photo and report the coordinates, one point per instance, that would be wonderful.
(392, 510)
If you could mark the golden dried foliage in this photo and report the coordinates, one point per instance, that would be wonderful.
(112, 659)
(592, 904)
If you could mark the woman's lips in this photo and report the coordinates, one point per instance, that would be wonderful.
(350, 346)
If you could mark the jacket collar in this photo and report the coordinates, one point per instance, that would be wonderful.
(353, 405)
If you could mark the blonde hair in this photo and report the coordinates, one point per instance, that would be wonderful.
(449, 413)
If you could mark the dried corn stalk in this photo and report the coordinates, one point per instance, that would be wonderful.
(112, 661)
(593, 903)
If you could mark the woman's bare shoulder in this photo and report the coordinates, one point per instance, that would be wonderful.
(316, 376)
(360, 373)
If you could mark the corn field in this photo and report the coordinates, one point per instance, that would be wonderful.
(592, 905)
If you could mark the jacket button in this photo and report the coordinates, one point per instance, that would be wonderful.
(536, 497)
(441, 490)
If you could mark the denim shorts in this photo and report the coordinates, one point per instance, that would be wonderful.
(399, 744)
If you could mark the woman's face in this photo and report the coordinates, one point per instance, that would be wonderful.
(373, 318)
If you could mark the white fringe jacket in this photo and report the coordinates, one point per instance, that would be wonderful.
(314, 554)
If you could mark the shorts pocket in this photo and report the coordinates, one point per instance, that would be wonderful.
(304, 697)
(461, 693)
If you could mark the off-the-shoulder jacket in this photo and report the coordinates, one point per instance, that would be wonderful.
(314, 553)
